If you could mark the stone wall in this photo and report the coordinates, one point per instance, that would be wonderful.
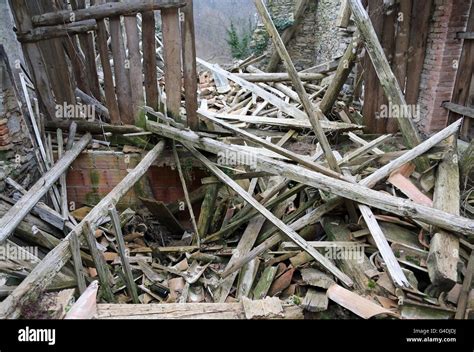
(317, 40)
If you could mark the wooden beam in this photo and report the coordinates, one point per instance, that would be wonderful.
(49, 32)
(52, 263)
(13, 217)
(459, 109)
(102, 11)
(356, 192)
(91, 127)
(444, 247)
(189, 66)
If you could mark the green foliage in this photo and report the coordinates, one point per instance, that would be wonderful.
(239, 43)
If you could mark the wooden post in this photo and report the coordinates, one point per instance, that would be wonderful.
(172, 47)
(149, 59)
(189, 66)
(127, 270)
(75, 248)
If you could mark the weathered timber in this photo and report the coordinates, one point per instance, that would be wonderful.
(91, 127)
(149, 59)
(44, 33)
(279, 77)
(356, 192)
(127, 270)
(444, 247)
(97, 12)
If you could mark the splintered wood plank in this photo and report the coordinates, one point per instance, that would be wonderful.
(315, 301)
(172, 55)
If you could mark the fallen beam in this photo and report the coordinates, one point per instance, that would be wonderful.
(15, 215)
(356, 192)
(279, 77)
(45, 271)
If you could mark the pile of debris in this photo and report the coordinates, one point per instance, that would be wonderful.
(302, 215)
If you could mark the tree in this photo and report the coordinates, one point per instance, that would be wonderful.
(239, 46)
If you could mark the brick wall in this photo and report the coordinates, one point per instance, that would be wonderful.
(94, 174)
(439, 70)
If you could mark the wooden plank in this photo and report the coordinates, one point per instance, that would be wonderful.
(102, 47)
(189, 66)
(207, 209)
(459, 109)
(88, 48)
(149, 59)
(102, 11)
(279, 77)
(372, 86)
(135, 62)
(188, 311)
(421, 21)
(121, 71)
(172, 55)
(75, 248)
(466, 289)
(61, 30)
(53, 262)
(127, 270)
(13, 217)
